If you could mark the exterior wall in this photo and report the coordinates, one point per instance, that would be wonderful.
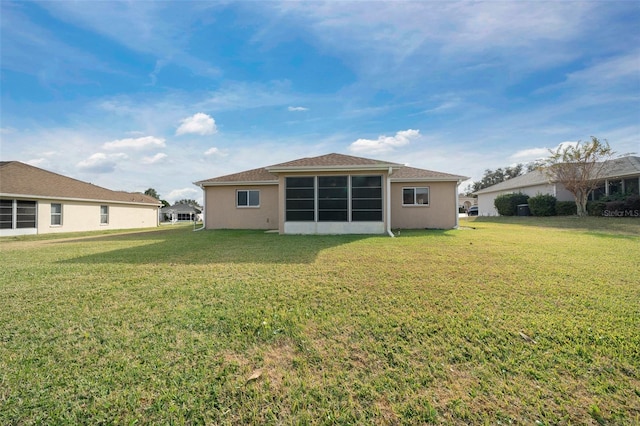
(562, 194)
(85, 216)
(441, 213)
(80, 216)
(221, 211)
(486, 201)
(332, 227)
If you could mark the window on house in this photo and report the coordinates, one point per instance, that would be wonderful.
(247, 198)
(333, 198)
(300, 199)
(16, 214)
(6, 214)
(597, 193)
(25, 214)
(631, 186)
(336, 198)
(104, 215)
(56, 214)
(366, 198)
(615, 187)
(415, 196)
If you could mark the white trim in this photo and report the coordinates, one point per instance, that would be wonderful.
(238, 183)
(425, 179)
(330, 228)
(388, 203)
(345, 168)
(86, 200)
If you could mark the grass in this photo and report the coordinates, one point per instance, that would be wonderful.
(510, 320)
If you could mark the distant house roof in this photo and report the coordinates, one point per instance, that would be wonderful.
(536, 177)
(329, 162)
(180, 208)
(623, 166)
(616, 168)
(23, 180)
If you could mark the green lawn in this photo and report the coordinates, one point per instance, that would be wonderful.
(516, 320)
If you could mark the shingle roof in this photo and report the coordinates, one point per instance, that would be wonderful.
(181, 208)
(20, 179)
(332, 160)
(328, 162)
(622, 166)
(254, 175)
(411, 173)
(536, 177)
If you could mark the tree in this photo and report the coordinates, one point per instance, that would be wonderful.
(189, 202)
(492, 177)
(579, 168)
(152, 193)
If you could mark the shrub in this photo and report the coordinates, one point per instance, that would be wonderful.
(596, 208)
(507, 204)
(566, 208)
(632, 202)
(543, 205)
(612, 203)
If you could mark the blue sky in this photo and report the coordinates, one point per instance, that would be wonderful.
(132, 95)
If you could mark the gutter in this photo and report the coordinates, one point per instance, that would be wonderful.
(204, 209)
(389, 202)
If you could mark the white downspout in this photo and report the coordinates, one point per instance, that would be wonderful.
(457, 206)
(204, 210)
(389, 202)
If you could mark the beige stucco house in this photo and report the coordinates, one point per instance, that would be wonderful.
(36, 201)
(620, 175)
(332, 194)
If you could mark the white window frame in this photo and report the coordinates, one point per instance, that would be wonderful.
(56, 214)
(248, 205)
(415, 196)
(104, 217)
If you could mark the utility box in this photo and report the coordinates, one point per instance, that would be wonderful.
(523, 210)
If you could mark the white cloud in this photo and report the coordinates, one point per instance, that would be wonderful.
(297, 108)
(155, 159)
(384, 143)
(215, 151)
(179, 194)
(101, 163)
(530, 154)
(146, 142)
(199, 123)
(38, 162)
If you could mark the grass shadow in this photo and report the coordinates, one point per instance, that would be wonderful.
(590, 224)
(183, 246)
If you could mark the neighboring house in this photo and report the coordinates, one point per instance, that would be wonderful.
(332, 194)
(36, 201)
(180, 213)
(465, 202)
(620, 175)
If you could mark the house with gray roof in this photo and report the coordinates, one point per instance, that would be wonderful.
(180, 212)
(332, 194)
(36, 201)
(619, 175)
